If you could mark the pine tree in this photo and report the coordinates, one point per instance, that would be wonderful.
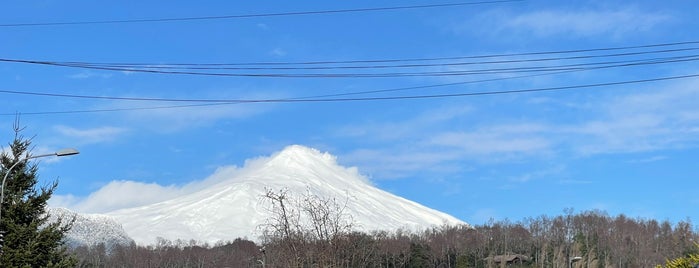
(29, 240)
(419, 255)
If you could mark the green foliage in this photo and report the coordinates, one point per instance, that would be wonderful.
(689, 261)
(469, 261)
(29, 239)
(419, 255)
(581, 242)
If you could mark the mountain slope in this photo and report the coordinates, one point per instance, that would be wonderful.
(90, 229)
(234, 208)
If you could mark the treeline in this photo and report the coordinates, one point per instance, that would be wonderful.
(587, 239)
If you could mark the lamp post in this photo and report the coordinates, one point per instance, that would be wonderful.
(572, 260)
(263, 261)
(63, 152)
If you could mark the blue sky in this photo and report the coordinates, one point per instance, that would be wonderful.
(626, 147)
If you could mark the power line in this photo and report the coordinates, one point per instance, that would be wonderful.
(121, 109)
(540, 71)
(502, 55)
(691, 57)
(137, 67)
(296, 13)
(407, 97)
(228, 103)
(549, 72)
(204, 69)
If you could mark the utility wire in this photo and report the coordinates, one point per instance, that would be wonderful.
(409, 97)
(296, 13)
(691, 57)
(406, 97)
(137, 67)
(121, 109)
(412, 97)
(335, 97)
(502, 55)
(202, 69)
(551, 71)
(124, 64)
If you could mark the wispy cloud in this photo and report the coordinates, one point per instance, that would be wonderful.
(653, 119)
(605, 22)
(91, 135)
(89, 74)
(647, 120)
(263, 26)
(484, 215)
(398, 162)
(278, 52)
(171, 118)
(497, 139)
(648, 159)
(572, 181)
(526, 177)
(431, 119)
(616, 23)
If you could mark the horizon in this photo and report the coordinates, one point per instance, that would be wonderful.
(489, 110)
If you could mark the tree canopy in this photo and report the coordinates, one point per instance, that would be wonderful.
(29, 239)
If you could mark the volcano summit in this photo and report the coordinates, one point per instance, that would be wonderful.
(234, 208)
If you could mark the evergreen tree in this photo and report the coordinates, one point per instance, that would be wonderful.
(419, 255)
(29, 240)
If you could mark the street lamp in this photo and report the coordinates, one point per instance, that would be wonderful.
(572, 260)
(59, 153)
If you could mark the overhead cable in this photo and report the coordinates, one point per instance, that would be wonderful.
(550, 71)
(243, 16)
(405, 97)
(222, 66)
(395, 60)
(457, 72)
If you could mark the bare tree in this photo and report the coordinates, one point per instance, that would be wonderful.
(308, 229)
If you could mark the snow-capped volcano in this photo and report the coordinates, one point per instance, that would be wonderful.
(234, 208)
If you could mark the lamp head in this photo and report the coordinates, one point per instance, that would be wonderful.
(67, 151)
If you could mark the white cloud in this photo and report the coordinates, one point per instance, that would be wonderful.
(176, 117)
(440, 146)
(648, 159)
(497, 139)
(91, 135)
(652, 119)
(588, 23)
(121, 194)
(278, 52)
(604, 22)
(384, 163)
(262, 26)
(405, 152)
(656, 118)
(572, 181)
(484, 215)
(89, 74)
(552, 171)
(420, 123)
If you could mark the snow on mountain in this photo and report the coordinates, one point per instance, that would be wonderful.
(234, 208)
(90, 229)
